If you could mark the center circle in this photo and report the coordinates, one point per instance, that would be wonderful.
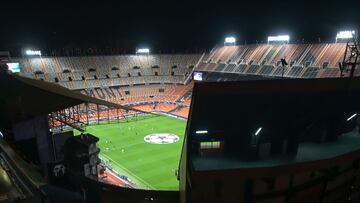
(161, 138)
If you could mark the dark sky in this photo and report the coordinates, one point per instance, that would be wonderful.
(169, 25)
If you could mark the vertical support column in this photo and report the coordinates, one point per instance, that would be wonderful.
(79, 113)
(290, 190)
(65, 116)
(248, 190)
(52, 119)
(71, 113)
(108, 112)
(343, 64)
(98, 114)
(87, 113)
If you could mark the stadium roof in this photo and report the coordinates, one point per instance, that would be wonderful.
(23, 97)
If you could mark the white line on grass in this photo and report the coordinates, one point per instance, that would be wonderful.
(129, 172)
(112, 148)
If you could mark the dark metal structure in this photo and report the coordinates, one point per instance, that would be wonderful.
(272, 141)
(351, 56)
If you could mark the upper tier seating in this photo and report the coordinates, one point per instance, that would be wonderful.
(139, 79)
(103, 71)
(305, 60)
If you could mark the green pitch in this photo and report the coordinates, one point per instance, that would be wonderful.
(150, 166)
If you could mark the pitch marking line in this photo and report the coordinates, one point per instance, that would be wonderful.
(129, 172)
(112, 148)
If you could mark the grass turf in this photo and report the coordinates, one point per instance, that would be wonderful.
(150, 166)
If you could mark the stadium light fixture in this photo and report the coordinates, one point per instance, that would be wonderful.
(351, 117)
(14, 67)
(198, 76)
(230, 41)
(279, 38)
(258, 131)
(345, 35)
(143, 51)
(201, 131)
(33, 52)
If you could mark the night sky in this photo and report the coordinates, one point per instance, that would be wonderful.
(169, 26)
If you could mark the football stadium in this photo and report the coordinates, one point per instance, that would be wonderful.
(135, 148)
(140, 119)
(270, 120)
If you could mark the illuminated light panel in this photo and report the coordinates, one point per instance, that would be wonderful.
(210, 145)
(230, 40)
(351, 117)
(33, 52)
(198, 76)
(14, 67)
(258, 131)
(143, 51)
(201, 131)
(279, 38)
(349, 34)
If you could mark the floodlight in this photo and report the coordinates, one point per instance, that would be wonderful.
(258, 131)
(230, 40)
(33, 52)
(198, 76)
(348, 34)
(143, 51)
(201, 132)
(351, 117)
(14, 67)
(279, 38)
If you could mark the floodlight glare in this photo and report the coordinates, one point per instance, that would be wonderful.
(351, 117)
(14, 67)
(258, 131)
(198, 76)
(33, 52)
(348, 34)
(230, 40)
(279, 38)
(143, 51)
(201, 132)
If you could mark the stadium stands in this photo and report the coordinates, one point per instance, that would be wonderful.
(124, 79)
(105, 71)
(305, 60)
(152, 82)
(183, 111)
(142, 93)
